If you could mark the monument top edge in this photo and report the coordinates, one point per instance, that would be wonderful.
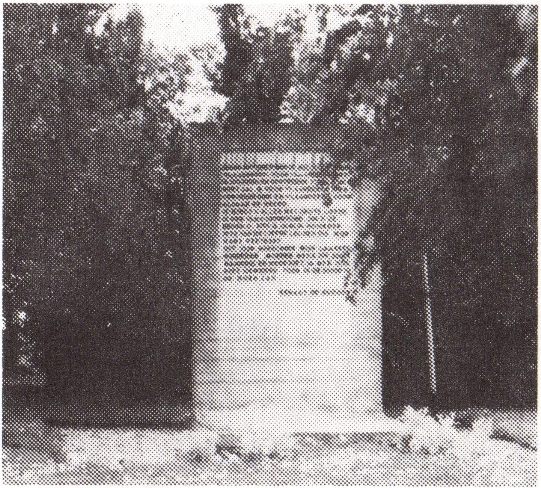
(304, 137)
(277, 128)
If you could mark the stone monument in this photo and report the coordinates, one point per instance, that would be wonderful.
(276, 344)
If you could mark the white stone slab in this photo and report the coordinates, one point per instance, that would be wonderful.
(273, 328)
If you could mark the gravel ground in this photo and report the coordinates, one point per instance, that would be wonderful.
(137, 456)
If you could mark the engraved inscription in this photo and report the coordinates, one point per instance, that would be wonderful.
(273, 221)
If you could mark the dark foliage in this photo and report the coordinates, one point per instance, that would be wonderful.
(255, 74)
(92, 212)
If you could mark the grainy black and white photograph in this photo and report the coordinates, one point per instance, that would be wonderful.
(269, 244)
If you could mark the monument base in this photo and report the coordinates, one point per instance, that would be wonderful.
(274, 418)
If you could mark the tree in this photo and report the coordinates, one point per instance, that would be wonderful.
(255, 74)
(91, 200)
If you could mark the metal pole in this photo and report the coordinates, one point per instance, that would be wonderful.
(429, 326)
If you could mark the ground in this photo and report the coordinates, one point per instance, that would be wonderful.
(430, 454)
